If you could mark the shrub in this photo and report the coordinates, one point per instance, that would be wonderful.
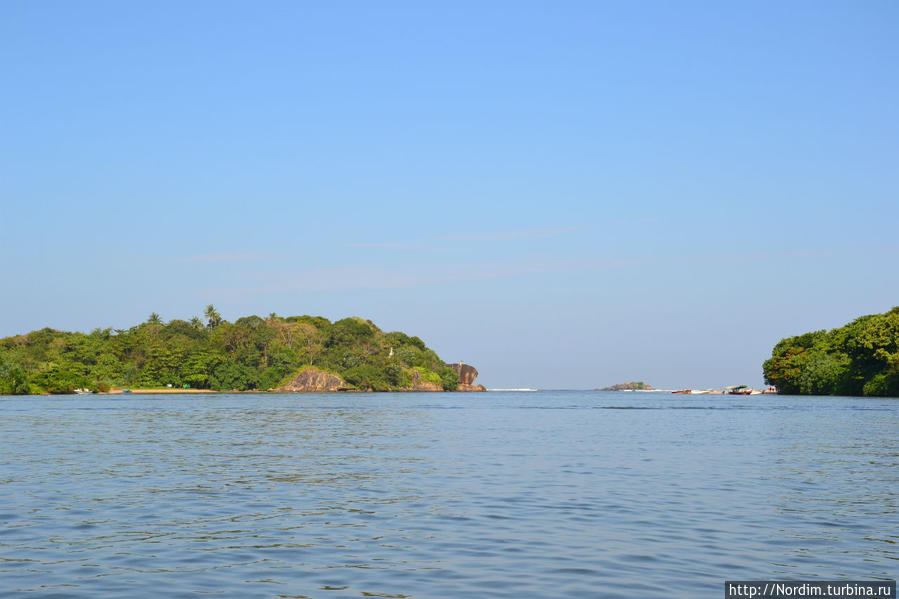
(449, 379)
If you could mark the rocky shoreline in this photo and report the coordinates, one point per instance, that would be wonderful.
(315, 380)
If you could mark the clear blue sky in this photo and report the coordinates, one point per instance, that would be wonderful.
(564, 194)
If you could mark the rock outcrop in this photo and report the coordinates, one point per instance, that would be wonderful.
(420, 385)
(313, 380)
(467, 374)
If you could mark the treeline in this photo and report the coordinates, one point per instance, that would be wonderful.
(861, 358)
(250, 353)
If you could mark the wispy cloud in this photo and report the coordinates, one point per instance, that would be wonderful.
(229, 257)
(479, 237)
(387, 245)
(345, 278)
(349, 278)
(427, 243)
(538, 233)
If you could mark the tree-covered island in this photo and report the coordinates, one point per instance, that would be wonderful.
(292, 353)
(629, 386)
(860, 358)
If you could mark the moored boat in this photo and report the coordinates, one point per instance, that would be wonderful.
(739, 390)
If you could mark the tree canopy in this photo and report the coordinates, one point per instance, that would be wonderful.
(250, 353)
(860, 358)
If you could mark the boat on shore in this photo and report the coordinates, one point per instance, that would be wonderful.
(732, 390)
(739, 390)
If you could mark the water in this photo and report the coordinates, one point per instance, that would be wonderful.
(549, 494)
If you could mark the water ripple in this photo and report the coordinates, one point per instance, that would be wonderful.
(498, 495)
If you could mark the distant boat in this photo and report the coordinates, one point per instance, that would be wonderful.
(739, 390)
(81, 391)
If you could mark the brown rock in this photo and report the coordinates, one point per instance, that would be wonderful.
(467, 374)
(471, 387)
(313, 380)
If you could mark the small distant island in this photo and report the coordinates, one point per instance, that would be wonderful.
(294, 353)
(629, 386)
(860, 358)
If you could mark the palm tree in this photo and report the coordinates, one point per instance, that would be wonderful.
(213, 318)
(156, 321)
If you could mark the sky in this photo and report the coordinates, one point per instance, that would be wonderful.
(565, 195)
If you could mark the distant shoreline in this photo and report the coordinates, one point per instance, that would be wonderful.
(251, 354)
(156, 391)
(174, 391)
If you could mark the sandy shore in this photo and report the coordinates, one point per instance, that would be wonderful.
(164, 390)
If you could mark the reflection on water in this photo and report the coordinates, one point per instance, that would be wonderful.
(442, 495)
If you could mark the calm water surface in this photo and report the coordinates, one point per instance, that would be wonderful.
(549, 494)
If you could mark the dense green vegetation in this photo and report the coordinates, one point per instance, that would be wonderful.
(250, 353)
(861, 358)
(629, 386)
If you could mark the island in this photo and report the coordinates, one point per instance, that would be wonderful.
(628, 386)
(286, 354)
(859, 358)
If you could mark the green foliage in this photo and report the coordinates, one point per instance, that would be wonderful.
(13, 380)
(230, 375)
(449, 379)
(393, 374)
(319, 322)
(348, 331)
(860, 358)
(823, 373)
(59, 379)
(365, 377)
(250, 353)
(428, 376)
